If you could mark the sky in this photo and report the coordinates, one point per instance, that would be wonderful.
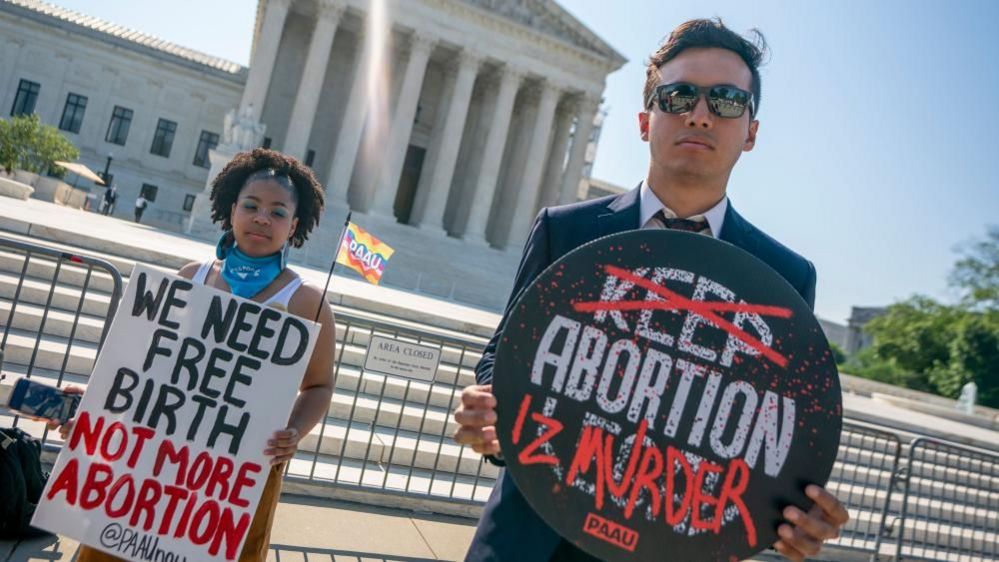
(876, 156)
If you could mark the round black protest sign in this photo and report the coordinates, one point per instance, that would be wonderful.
(663, 394)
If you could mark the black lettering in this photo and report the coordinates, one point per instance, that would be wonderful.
(145, 302)
(237, 376)
(303, 340)
(173, 302)
(155, 349)
(222, 428)
(263, 332)
(203, 402)
(189, 363)
(140, 408)
(164, 406)
(213, 371)
(125, 380)
(215, 322)
(245, 309)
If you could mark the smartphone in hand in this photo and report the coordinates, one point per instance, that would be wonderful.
(43, 401)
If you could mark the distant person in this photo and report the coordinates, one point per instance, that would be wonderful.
(140, 207)
(109, 199)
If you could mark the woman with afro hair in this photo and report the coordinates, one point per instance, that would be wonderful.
(267, 202)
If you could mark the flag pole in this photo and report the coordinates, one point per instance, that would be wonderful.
(336, 254)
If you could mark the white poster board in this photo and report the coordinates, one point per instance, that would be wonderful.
(166, 460)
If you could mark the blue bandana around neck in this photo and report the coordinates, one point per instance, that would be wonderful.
(247, 275)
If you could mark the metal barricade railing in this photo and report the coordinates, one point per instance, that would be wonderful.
(391, 433)
(863, 479)
(950, 509)
(55, 311)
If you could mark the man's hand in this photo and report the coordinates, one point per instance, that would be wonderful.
(807, 531)
(477, 418)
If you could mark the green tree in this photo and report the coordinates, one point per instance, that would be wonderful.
(925, 345)
(837, 352)
(977, 273)
(27, 144)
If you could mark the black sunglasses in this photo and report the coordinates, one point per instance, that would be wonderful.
(724, 101)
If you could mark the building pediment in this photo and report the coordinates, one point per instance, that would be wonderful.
(547, 17)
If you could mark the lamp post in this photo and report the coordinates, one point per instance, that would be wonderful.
(107, 167)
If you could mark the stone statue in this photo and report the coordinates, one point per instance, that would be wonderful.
(241, 131)
(966, 401)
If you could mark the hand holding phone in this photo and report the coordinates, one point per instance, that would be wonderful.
(43, 401)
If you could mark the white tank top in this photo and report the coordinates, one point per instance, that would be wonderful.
(278, 300)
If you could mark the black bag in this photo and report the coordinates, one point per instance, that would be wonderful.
(21, 483)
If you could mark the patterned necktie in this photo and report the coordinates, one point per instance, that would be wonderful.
(687, 225)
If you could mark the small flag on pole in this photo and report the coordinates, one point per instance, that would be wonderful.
(364, 253)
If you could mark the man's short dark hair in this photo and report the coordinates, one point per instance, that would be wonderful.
(707, 33)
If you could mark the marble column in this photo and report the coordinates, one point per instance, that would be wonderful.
(551, 186)
(401, 128)
(432, 196)
(264, 55)
(581, 139)
(527, 197)
(352, 129)
(499, 126)
(303, 113)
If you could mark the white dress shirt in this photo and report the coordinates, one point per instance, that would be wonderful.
(649, 205)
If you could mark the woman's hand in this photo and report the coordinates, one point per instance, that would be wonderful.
(282, 445)
(65, 429)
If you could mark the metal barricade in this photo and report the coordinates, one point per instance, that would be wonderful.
(55, 311)
(863, 479)
(391, 433)
(950, 508)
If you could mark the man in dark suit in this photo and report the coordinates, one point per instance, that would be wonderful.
(701, 95)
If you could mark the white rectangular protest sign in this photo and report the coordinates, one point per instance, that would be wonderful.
(165, 461)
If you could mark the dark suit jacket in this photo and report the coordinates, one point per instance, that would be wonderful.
(509, 529)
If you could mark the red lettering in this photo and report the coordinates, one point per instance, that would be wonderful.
(205, 522)
(221, 472)
(676, 514)
(200, 471)
(241, 481)
(616, 489)
(648, 475)
(179, 457)
(141, 434)
(90, 434)
(732, 492)
(589, 449)
(518, 425)
(126, 483)
(106, 452)
(526, 456)
(185, 518)
(67, 480)
(149, 495)
(700, 499)
(175, 494)
(97, 481)
(231, 532)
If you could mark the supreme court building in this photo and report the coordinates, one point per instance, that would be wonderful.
(443, 125)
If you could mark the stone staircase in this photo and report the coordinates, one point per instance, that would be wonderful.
(389, 437)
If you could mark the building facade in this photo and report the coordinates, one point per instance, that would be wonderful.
(443, 125)
(154, 107)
